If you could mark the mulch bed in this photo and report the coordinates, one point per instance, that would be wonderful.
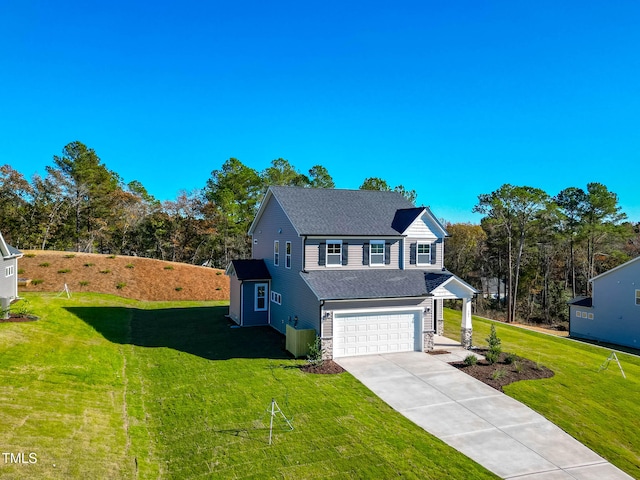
(18, 318)
(326, 367)
(520, 369)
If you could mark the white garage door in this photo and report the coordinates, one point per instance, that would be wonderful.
(369, 333)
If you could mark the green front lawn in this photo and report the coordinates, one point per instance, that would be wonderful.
(600, 409)
(104, 387)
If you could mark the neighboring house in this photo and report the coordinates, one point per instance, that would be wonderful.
(612, 313)
(363, 268)
(8, 275)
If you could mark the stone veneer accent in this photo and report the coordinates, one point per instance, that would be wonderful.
(466, 337)
(429, 341)
(326, 344)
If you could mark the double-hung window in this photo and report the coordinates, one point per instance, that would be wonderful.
(637, 297)
(376, 252)
(9, 271)
(276, 252)
(260, 299)
(334, 252)
(424, 253)
(287, 258)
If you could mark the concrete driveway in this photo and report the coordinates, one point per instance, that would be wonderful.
(493, 429)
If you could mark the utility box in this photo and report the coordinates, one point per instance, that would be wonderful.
(298, 340)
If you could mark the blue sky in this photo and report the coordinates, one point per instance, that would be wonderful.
(450, 98)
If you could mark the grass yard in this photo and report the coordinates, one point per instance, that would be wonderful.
(105, 387)
(600, 409)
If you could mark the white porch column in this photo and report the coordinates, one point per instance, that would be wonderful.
(466, 329)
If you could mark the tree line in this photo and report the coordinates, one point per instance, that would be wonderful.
(539, 251)
(81, 205)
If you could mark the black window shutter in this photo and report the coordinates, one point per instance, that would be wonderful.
(387, 253)
(413, 250)
(365, 253)
(433, 253)
(322, 254)
(345, 253)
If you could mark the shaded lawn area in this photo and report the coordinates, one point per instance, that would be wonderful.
(105, 387)
(600, 409)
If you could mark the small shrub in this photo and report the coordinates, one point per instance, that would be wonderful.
(89, 264)
(493, 340)
(129, 265)
(64, 270)
(218, 288)
(83, 283)
(20, 271)
(44, 264)
(105, 271)
(492, 357)
(498, 374)
(178, 289)
(37, 281)
(120, 285)
(314, 356)
(168, 267)
(29, 255)
(70, 255)
(510, 358)
(111, 257)
(23, 308)
(218, 273)
(517, 366)
(470, 360)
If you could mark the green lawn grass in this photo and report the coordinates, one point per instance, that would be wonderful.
(105, 387)
(600, 409)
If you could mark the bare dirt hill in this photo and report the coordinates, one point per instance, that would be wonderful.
(131, 277)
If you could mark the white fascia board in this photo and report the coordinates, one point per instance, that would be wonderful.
(351, 311)
(354, 237)
(4, 249)
(438, 225)
(460, 282)
(267, 197)
(624, 265)
(437, 222)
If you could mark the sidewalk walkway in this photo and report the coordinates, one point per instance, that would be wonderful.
(493, 429)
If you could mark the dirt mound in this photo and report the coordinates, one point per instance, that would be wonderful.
(131, 277)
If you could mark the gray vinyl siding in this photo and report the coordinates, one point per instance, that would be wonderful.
(437, 244)
(297, 299)
(355, 254)
(616, 317)
(234, 298)
(409, 303)
(8, 285)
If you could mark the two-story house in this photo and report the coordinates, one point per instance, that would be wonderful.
(612, 313)
(8, 275)
(364, 269)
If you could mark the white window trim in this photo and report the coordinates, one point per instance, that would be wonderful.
(287, 255)
(418, 262)
(276, 252)
(377, 242)
(255, 297)
(326, 259)
(276, 298)
(637, 299)
(9, 271)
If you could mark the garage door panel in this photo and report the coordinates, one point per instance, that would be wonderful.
(385, 332)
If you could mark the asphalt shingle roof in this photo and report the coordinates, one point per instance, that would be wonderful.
(319, 211)
(251, 269)
(13, 250)
(582, 302)
(352, 284)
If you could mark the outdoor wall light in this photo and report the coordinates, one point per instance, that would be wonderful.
(295, 321)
